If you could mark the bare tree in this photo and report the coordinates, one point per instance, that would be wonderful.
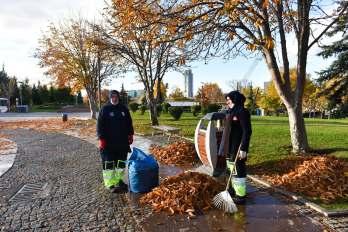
(142, 49)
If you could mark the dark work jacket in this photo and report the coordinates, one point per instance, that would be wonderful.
(115, 125)
(240, 130)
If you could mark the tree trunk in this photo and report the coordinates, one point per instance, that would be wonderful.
(92, 100)
(297, 130)
(153, 109)
(291, 99)
(153, 114)
(151, 101)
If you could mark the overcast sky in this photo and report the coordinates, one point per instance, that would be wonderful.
(22, 23)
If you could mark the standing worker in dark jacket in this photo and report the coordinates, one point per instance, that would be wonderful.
(237, 137)
(115, 133)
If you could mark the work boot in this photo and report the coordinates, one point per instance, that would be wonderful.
(110, 188)
(218, 172)
(239, 186)
(120, 188)
(238, 200)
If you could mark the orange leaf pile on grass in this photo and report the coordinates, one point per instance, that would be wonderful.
(179, 153)
(321, 177)
(183, 193)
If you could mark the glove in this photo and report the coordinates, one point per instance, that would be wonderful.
(130, 139)
(102, 143)
(230, 165)
(242, 155)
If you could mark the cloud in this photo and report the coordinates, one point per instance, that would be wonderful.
(22, 23)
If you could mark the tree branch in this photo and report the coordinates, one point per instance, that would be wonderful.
(328, 27)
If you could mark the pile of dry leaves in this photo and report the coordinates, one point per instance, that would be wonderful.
(3, 136)
(183, 193)
(179, 153)
(6, 144)
(83, 127)
(322, 177)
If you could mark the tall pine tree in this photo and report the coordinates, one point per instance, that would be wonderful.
(35, 96)
(4, 80)
(335, 77)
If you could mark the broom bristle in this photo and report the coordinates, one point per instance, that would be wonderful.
(224, 201)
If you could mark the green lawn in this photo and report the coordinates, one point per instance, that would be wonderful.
(270, 140)
(45, 108)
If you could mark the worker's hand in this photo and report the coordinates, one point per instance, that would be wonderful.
(130, 139)
(242, 155)
(230, 165)
(102, 143)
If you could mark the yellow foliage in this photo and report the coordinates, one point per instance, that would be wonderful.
(177, 95)
(265, 4)
(269, 44)
(309, 94)
(163, 89)
(171, 28)
(251, 47)
(258, 23)
(188, 35)
(205, 17)
(209, 93)
(231, 35)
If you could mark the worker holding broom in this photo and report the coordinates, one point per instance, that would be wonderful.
(235, 142)
(115, 133)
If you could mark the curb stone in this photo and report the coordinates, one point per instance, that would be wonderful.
(7, 157)
(316, 207)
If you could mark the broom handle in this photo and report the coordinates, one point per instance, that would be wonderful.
(235, 160)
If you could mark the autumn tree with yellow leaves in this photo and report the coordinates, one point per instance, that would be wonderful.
(312, 101)
(72, 57)
(161, 93)
(242, 27)
(177, 95)
(140, 45)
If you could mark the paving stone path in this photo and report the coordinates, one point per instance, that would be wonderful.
(58, 178)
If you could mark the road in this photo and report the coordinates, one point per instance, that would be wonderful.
(40, 115)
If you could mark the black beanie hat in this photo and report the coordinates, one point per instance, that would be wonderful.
(236, 97)
(114, 92)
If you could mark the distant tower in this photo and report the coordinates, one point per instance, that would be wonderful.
(188, 83)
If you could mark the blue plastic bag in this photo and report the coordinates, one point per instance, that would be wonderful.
(142, 172)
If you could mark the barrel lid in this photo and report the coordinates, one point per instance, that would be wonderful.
(214, 116)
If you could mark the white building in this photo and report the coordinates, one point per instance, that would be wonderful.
(182, 103)
(135, 93)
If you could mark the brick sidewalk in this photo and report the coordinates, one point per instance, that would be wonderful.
(63, 188)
